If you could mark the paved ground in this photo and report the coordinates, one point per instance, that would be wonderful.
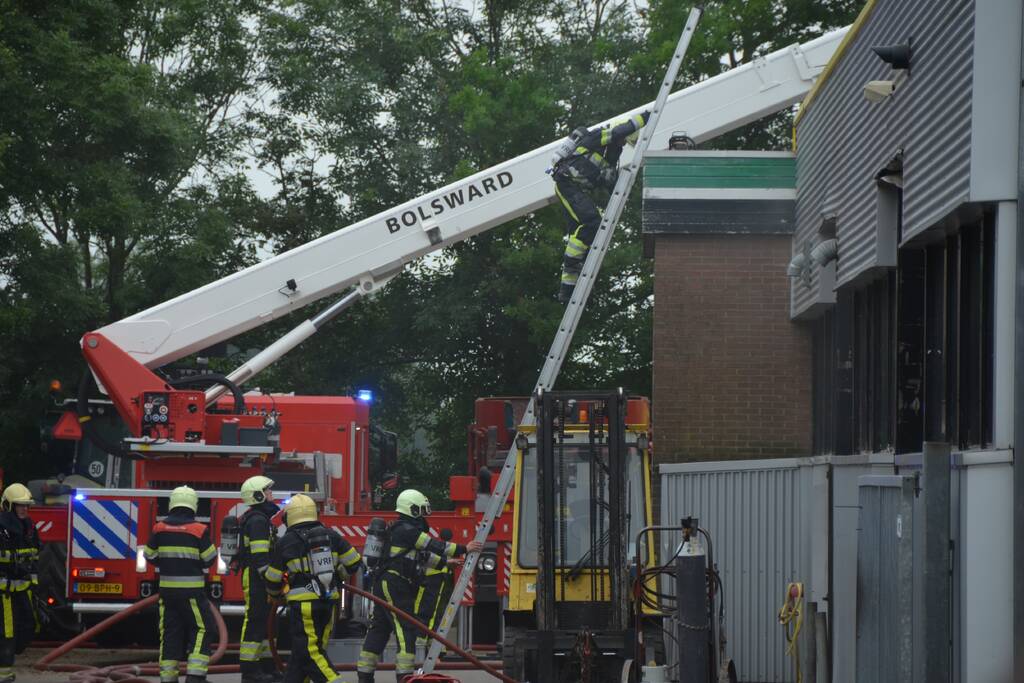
(105, 657)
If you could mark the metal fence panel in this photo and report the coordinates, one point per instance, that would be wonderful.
(752, 510)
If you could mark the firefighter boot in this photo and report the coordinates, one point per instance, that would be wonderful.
(270, 672)
(571, 268)
(364, 677)
(252, 673)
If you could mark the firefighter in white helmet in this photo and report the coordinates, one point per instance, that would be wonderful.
(317, 560)
(180, 547)
(19, 553)
(257, 542)
(398, 581)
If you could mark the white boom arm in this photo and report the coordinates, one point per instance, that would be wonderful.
(375, 249)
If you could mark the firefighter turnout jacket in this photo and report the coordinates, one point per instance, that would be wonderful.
(180, 547)
(291, 555)
(594, 163)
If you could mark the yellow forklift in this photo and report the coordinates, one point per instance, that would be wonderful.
(583, 496)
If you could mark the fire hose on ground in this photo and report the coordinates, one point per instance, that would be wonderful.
(133, 673)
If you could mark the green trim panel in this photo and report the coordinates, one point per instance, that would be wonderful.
(720, 172)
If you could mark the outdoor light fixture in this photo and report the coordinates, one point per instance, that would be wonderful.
(896, 56)
(876, 91)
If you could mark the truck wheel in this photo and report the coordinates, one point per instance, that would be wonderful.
(512, 654)
(58, 619)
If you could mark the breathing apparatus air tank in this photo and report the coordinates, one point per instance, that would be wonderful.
(565, 148)
(230, 530)
(319, 552)
(376, 543)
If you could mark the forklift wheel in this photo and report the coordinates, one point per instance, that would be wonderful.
(627, 672)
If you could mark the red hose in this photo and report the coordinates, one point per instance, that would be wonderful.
(432, 634)
(132, 673)
(124, 673)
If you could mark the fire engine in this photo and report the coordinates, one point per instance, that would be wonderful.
(207, 432)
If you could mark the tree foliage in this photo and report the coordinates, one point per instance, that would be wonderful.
(149, 147)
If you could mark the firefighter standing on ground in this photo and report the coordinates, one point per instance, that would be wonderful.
(316, 560)
(180, 548)
(257, 539)
(19, 554)
(398, 581)
(584, 179)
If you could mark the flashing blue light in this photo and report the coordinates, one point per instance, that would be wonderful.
(364, 395)
(285, 502)
(79, 496)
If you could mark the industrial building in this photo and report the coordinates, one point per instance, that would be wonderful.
(852, 308)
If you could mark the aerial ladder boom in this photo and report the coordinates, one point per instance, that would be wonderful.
(362, 256)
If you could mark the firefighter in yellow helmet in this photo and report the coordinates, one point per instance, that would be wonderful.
(257, 542)
(19, 553)
(398, 581)
(180, 547)
(317, 560)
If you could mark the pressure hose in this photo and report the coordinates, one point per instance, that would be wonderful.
(125, 673)
(132, 673)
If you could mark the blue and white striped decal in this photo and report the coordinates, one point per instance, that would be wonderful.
(104, 529)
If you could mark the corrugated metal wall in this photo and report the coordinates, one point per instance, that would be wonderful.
(844, 140)
(751, 514)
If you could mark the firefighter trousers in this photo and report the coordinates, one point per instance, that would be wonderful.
(401, 593)
(435, 590)
(583, 217)
(254, 647)
(187, 628)
(17, 629)
(310, 623)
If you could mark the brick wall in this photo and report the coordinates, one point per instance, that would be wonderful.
(732, 374)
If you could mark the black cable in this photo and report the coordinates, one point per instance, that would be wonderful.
(213, 378)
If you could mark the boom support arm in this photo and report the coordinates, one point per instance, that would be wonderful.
(376, 248)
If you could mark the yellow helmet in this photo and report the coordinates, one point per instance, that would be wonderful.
(16, 494)
(300, 509)
(184, 497)
(253, 488)
(412, 503)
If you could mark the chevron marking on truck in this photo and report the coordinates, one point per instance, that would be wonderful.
(104, 529)
(43, 527)
(507, 566)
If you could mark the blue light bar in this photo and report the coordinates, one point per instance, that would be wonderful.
(79, 496)
(364, 395)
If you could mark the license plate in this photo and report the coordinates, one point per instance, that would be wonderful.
(102, 588)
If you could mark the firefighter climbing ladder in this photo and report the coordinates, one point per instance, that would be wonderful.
(570, 319)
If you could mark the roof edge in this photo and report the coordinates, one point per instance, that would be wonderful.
(862, 19)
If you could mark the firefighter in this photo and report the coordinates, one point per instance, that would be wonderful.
(257, 539)
(317, 561)
(584, 179)
(180, 547)
(19, 553)
(435, 590)
(398, 581)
